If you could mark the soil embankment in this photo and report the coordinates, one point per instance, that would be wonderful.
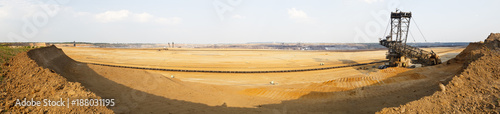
(25, 79)
(475, 90)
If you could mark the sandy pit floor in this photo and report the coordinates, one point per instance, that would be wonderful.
(220, 59)
(341, 90)
(242, 60)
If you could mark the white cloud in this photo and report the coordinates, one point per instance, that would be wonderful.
(3, 13)
(238, 17)
(18, 8)
(111, 16)
(79, 14)
(294, 13)
(143, 17)
(23, 20)
(372, 1)
(299, 16)
(168, 21)
(125, 15)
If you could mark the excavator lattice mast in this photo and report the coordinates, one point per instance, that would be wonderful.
(400, 25)
(399, 53)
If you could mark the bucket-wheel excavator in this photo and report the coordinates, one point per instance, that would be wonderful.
(399, 53)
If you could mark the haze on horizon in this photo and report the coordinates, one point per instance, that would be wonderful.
(241, 21)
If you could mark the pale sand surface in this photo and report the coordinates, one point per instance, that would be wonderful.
(342, 90)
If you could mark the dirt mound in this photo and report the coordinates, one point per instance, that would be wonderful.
(475, 90)
(52, 58)
(472, 52)
(493, 41)
(24, 78)
(493, 37)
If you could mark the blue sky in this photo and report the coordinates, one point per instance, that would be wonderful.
(241, 21)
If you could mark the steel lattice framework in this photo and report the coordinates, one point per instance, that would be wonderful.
(400, 25)
(401, 54)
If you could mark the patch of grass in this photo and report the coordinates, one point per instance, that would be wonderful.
(7, 52)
